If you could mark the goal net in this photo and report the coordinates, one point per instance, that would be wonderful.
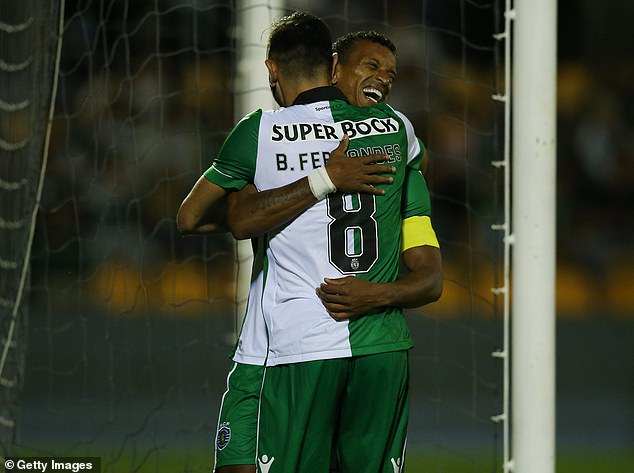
(129, 323)
(27, 58)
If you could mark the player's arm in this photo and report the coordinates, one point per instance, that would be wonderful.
(203, 210)
(216, 207)
(251, 213)
(424, 162)
(421, 161)
(350, 296)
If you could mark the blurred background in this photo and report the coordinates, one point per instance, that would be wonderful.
(122, 339)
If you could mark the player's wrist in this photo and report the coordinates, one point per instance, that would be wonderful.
(320, 183)
(384, 294)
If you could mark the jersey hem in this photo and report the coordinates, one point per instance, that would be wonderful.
(344, 353)
(248, 360)
(301, 358)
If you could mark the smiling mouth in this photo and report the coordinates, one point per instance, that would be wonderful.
(373, 94)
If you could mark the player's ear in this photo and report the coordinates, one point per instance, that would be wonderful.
(334, 76)
(273, 71)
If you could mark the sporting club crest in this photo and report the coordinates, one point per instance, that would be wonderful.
(224, 436)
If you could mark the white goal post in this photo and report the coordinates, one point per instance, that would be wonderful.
(534, 172)
(253, 19)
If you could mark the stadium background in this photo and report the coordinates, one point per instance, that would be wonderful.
(129, 323)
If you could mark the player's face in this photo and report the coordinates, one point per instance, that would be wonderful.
(367, 77)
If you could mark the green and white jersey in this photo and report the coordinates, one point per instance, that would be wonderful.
(341, 235)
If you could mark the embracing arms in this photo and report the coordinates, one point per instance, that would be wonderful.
(247, 213)
(352, 296)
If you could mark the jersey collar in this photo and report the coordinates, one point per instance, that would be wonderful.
(318, 94)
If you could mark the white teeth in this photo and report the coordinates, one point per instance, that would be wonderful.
(373, 94)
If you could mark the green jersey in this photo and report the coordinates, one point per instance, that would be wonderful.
(341, 235)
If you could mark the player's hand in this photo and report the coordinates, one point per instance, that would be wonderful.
(349, 296)
(359, 174)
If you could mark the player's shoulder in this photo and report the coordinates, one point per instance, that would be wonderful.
(298, 110)
(251, 118)
(383, 109)
(250, 121)
(342, 109)
(247, 128)
(387, 108)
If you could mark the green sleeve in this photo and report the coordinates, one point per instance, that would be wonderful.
(416, 200)
(234, 166)
(415, 163)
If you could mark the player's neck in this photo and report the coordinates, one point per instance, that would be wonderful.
(293, 88)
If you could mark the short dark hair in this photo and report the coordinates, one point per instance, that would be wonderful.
(344, 43)
(300, 44)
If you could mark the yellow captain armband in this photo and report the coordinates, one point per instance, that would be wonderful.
(417, 231)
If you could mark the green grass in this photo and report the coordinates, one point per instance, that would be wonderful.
(568, 461)
(175, 461)
(597, 461)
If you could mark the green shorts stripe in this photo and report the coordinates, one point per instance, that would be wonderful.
(236, 434)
